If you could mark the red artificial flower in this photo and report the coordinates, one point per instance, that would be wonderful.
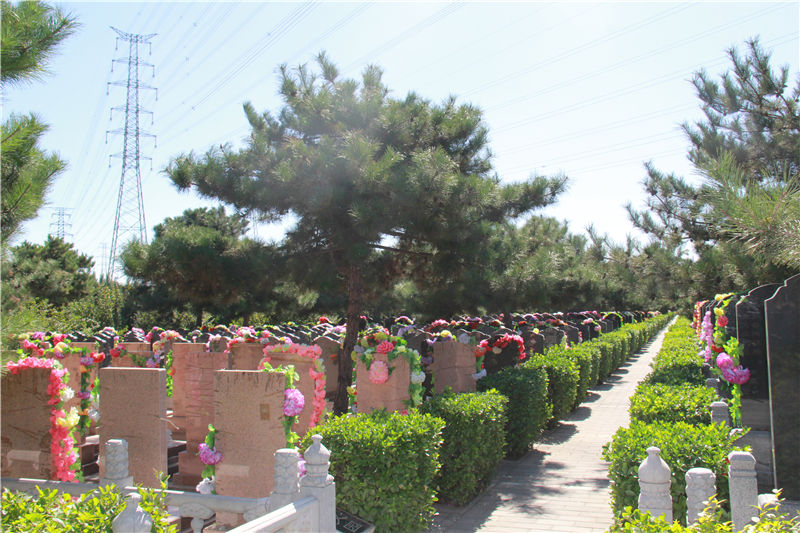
(722, 321)
(717, 349)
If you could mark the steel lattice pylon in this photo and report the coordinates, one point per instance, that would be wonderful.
(129, 219)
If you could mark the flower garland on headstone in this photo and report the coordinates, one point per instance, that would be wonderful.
(293, 401)
(392, 347)
(723, 353)
(63, 451)
(209, 456)
(163, 357)
(316, 372)
(88, 393)
(496, 347)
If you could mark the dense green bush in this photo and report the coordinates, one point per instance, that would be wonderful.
(606, 358)
(384, 466)
(473, 439)
(528, 406)
(672, 403)
(582, 358)
(90, 512)
(683, 446)
(713, 520)
(562, 382)
(678, 360)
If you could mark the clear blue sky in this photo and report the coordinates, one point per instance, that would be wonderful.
(592, 90)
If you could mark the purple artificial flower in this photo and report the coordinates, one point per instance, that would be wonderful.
(293, 402)
(724, 361)
(83, 394)
(737, 376)
(208, 456)
(87, 361)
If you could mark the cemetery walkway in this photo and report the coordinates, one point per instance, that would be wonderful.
(561, 485)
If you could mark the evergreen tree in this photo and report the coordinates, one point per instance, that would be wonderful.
(752, 117)
(201, 258)
(54, 272)
(363, 173)
(30, 33)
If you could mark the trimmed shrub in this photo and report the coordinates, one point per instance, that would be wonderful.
(528, 406)
(606, 358)
(562, 382)
(384, 465)
(678, 361)
(473, 439)
(683, 446)
(654, 402)
(582, 359)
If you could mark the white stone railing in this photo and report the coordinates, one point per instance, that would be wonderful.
(296, 504)
(655, 497)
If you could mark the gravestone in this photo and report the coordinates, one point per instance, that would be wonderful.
(573, 334)
(141, 350)
(552, 336)
(246, 355)
(25, 429)
(134, 408)
(305, 385)
(331, 351)
(453, 366)
(180, 352)
(248, 408)
(783, 358)
(751, 332)
(198, 368)
(390, 394)
(496, 359)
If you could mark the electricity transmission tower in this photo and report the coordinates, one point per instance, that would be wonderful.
(58, 228)
(129, 219)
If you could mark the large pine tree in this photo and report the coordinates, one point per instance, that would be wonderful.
(366, 175)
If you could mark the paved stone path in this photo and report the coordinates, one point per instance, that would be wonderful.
(561, 485)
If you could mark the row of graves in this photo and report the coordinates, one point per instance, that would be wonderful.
(210, 407)
(753, 345)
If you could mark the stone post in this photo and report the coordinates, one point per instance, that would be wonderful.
(743, 488)
(700, 487)
(115, 452)
(132, 519)
(712, 383)
(286, 477)
(654, 485)
(319, 484)
(720, 414)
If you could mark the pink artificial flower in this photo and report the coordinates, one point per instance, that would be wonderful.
(37, 335)
(736, 375)
(722, 321)
(724, 361)
(208, 456)
(385, 347)
(378, 372)
(293, 402)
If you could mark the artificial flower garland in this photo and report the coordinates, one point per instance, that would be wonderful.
(63, 452)
(209, 456)
(723, 353)
(315, 372)
(293, 400)
(380, 342)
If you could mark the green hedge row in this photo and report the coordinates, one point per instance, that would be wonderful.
(671, 409)
(473, 439)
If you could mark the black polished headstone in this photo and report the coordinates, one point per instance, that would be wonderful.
(751, 332)
(783, 358)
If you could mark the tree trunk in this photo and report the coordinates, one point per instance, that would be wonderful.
(198, 317)
(355, 290)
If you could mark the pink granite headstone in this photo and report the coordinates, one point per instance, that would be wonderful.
(248, 409)
(198, 369)
(331, 351)
(138, 349)
(453, 366)
(133, 407)
(389, 395)
(26, 424)
(246, 355)
(180, 353)
(305, 385)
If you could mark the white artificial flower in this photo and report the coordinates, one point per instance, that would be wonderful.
(66, 394)
(94, 414)
(463, 338)
(479, 375)
(206, 486)
(417, 377)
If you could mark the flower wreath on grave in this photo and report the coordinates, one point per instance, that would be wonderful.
(728, 353)
(592, 322)
(62, 424)
(166, 358)
(245, 334)
(316, 372)
(496, 347)
(380, 341)
(293, 400)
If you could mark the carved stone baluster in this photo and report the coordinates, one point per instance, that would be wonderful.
(132, 519)
(654, 484)
(115, 455)
(720, 413)
(699, 489)
(319, 484)
(743, 488)
(286, 477)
